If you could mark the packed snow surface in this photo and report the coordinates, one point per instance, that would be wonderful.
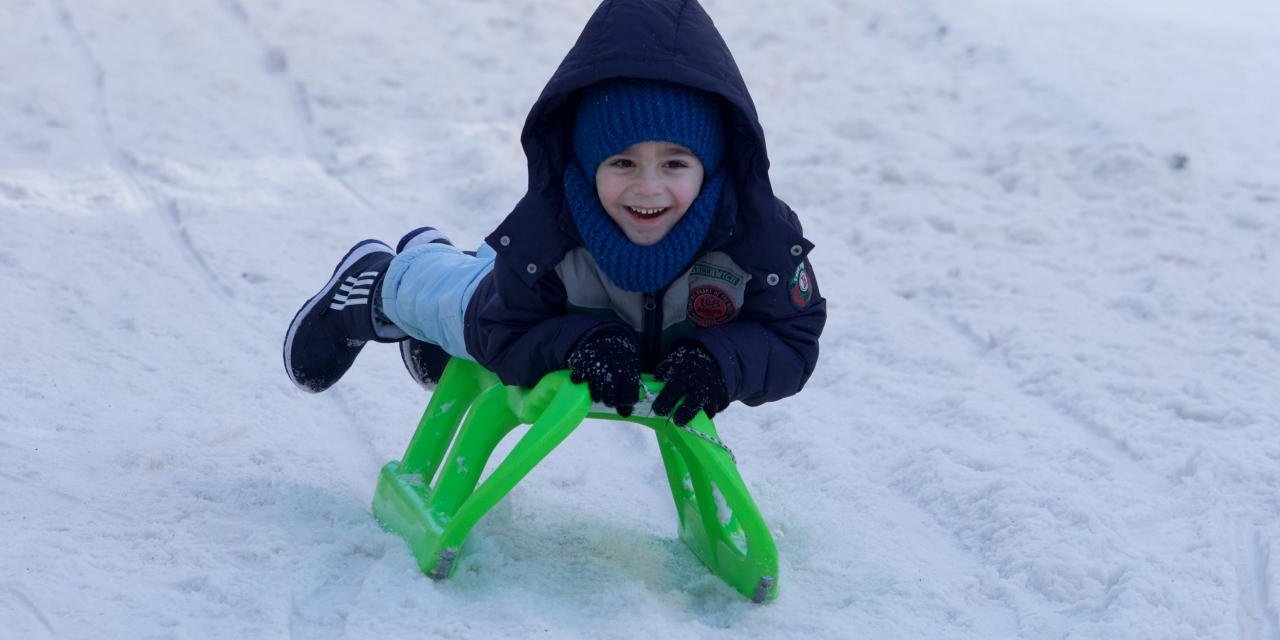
(1048, 404)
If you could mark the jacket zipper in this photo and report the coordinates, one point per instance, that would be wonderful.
(651, 334)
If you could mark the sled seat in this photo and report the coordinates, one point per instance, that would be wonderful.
(432, 499)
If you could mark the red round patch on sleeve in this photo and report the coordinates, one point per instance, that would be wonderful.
(710, 306)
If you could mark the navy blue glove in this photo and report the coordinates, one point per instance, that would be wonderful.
(609, 362)
(690, 372)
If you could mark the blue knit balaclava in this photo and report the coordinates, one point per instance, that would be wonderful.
(614, 115)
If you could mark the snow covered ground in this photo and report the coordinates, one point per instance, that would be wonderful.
(1048, 405)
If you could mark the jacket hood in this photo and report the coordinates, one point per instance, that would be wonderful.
(672, 40)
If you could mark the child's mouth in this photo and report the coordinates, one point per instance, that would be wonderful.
(647, 213)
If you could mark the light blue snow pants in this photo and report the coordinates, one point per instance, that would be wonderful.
(427, 289)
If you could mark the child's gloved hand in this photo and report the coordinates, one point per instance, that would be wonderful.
(690, 372)
(609, 362)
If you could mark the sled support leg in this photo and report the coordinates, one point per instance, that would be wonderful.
(432, 499)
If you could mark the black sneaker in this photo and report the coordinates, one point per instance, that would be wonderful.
(424, 361)
(419, 236)
(330, 329)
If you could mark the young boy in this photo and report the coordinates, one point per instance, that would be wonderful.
(649, 240)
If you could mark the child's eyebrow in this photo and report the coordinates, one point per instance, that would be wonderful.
(673, 149)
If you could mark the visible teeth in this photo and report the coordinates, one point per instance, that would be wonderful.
(647, 212)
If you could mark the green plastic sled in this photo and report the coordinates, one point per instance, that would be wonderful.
(474, 411)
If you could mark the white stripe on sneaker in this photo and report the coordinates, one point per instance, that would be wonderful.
(348, 303)
(353, 291)
(350, 292)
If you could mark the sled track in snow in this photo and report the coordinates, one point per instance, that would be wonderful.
(925, 12)
(1255, 571)
(168, 210)
(1084, 421)
(36, 612)
(277, 64)
(126, 166)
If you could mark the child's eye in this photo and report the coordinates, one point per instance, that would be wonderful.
(621, 163)
(677, 164)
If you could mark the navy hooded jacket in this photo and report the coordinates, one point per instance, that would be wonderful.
(750, 297)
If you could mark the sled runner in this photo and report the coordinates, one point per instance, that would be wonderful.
(433, 499)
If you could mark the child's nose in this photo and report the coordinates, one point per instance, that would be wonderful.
(648, 182)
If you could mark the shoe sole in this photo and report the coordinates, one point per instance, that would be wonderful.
(361, 250)
(408, 364)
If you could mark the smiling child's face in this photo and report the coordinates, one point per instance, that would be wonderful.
(648, 187)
